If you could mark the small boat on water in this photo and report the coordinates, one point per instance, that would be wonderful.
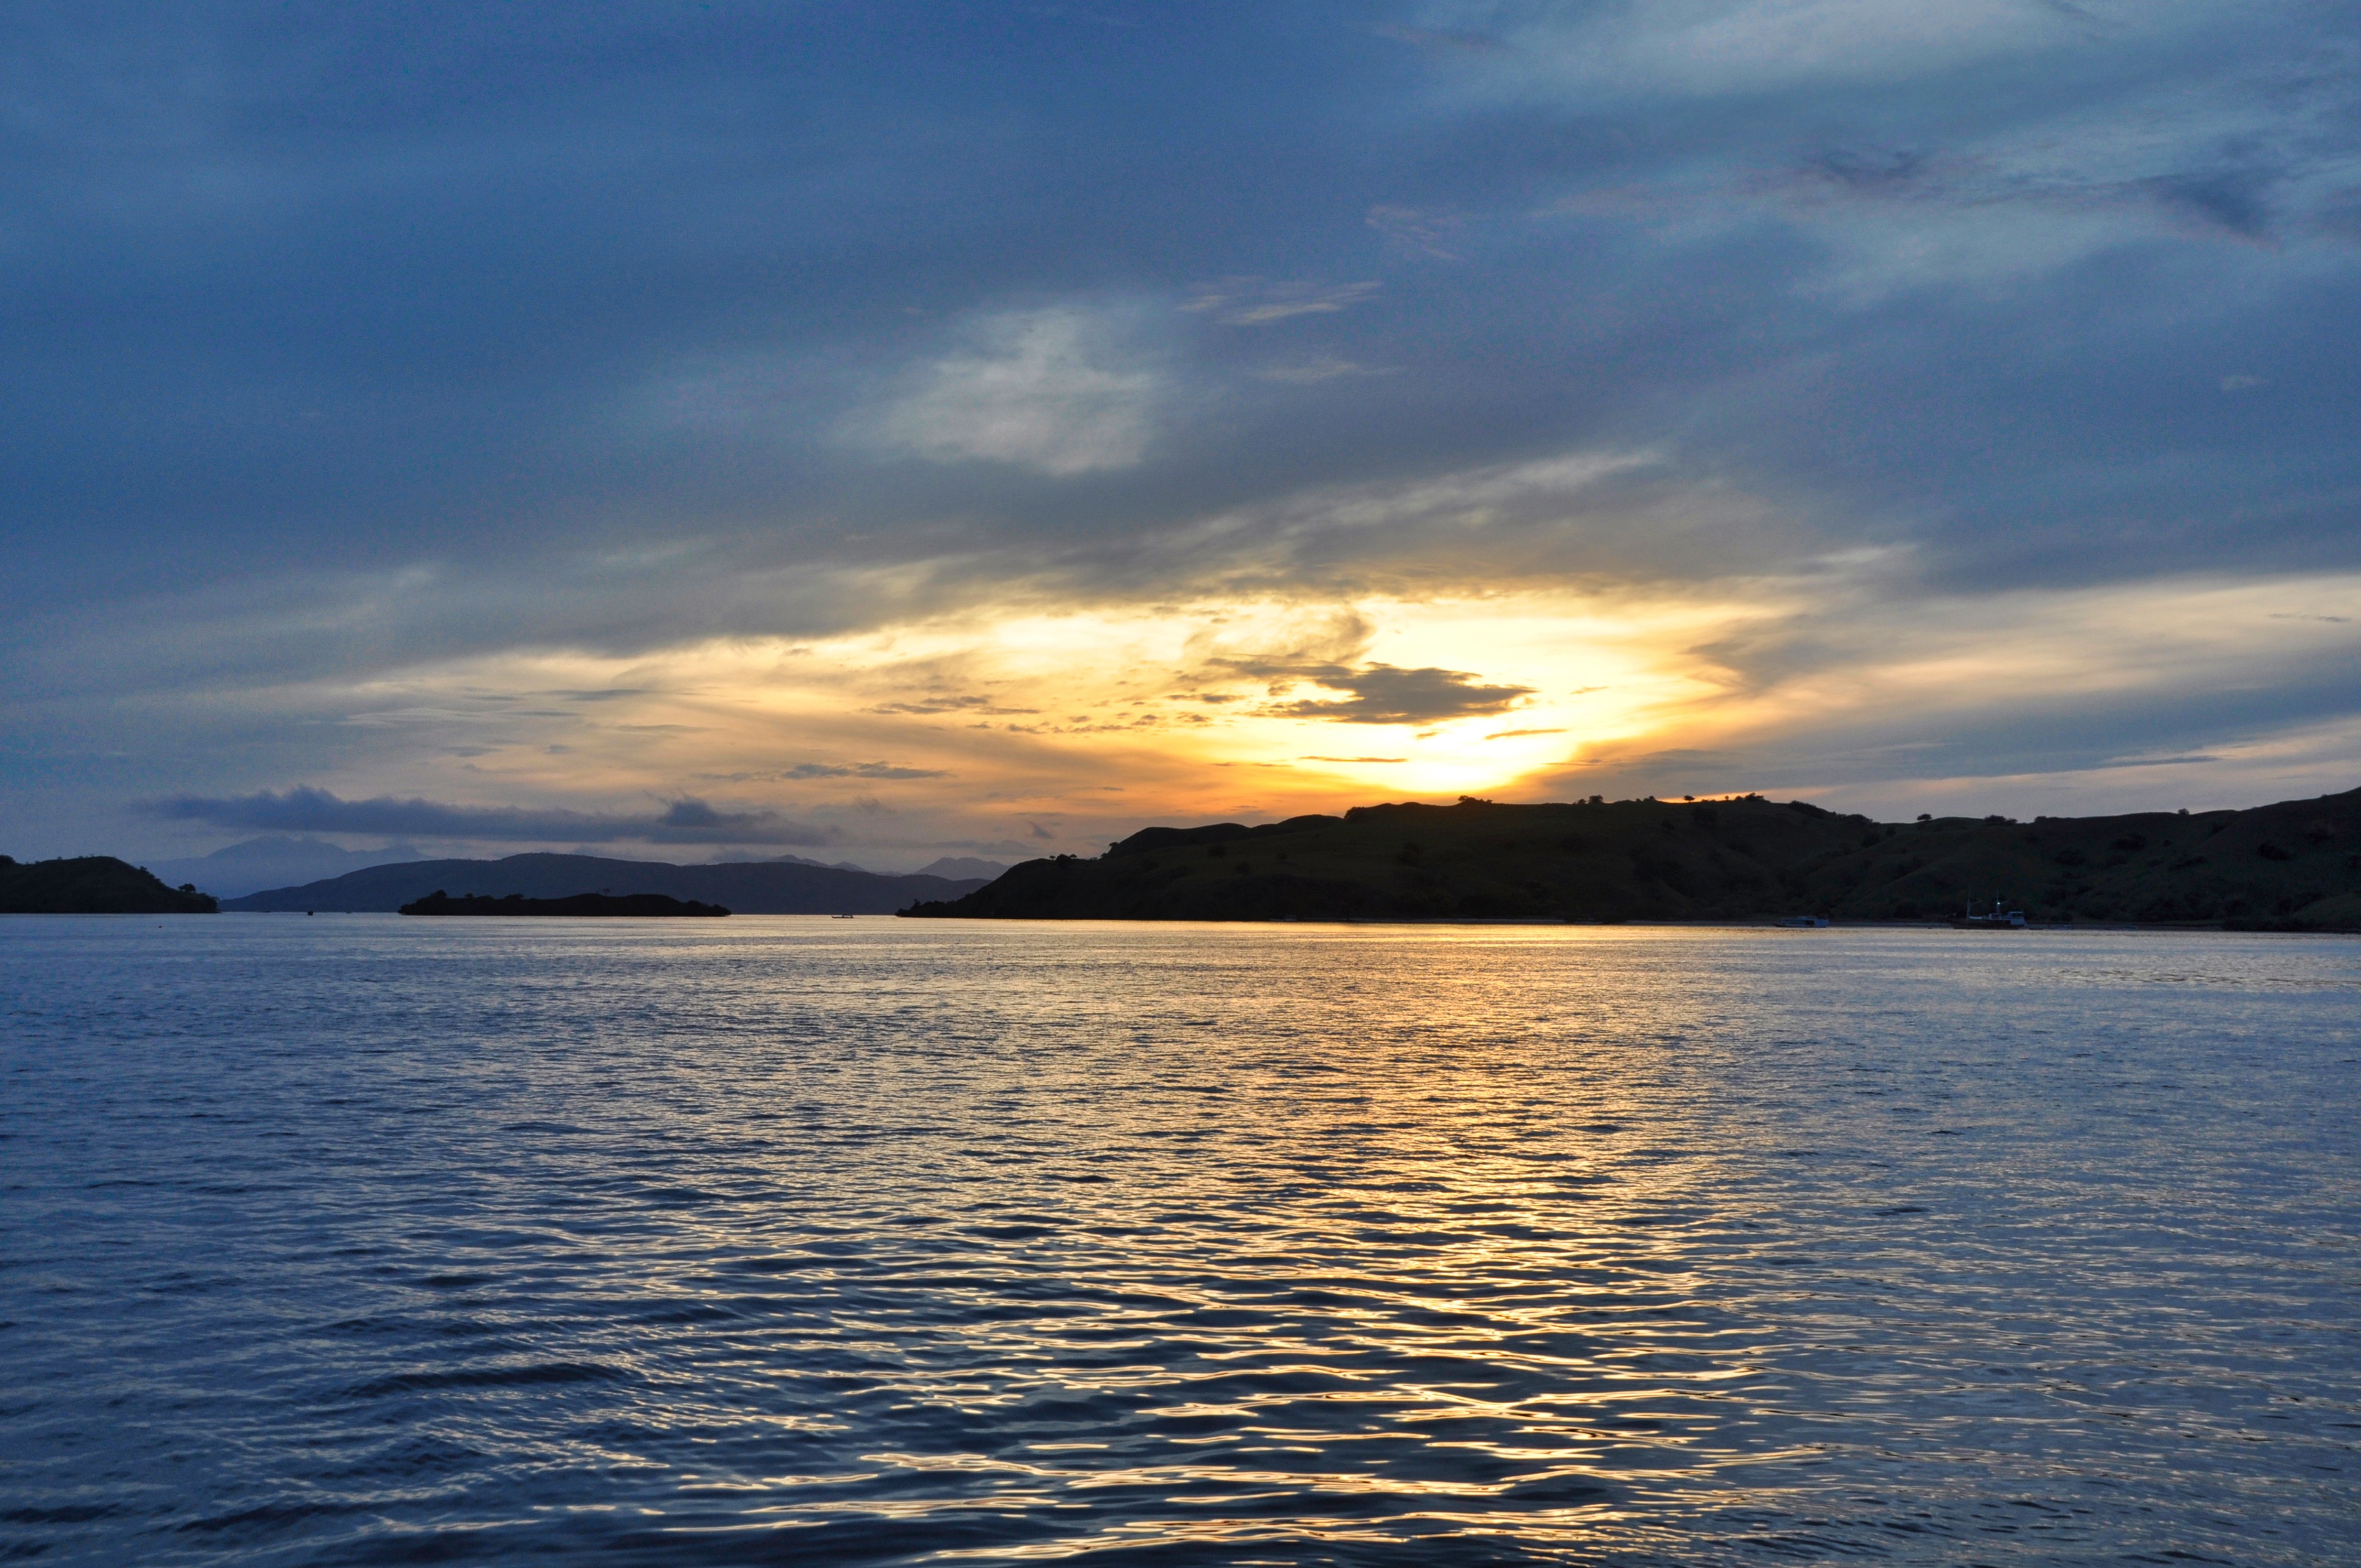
(1997, 919)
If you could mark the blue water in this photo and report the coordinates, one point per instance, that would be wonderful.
(354, 1240)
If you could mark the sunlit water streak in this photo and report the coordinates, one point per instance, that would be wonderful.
(358, 1240)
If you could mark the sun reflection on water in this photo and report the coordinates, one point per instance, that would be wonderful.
(894, 1243)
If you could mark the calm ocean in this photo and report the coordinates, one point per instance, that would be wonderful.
(361, 1240)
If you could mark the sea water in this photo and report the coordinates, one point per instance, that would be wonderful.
(358, 1239)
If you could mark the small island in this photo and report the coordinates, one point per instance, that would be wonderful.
(94, 884)
(634, 904)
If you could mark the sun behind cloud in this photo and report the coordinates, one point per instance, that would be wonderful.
(977, 729)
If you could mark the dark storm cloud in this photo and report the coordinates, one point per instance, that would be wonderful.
(306, 810)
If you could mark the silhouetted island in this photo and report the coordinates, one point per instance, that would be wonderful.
(2295, 866)
(441, 903)
(94, 884)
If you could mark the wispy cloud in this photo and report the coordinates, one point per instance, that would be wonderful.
(1254, 302)
(1427, 233)
(1752, 46)
(1061, 391)
(859, 771)
(1462, 40)
(967, 703)
(1321, 367)
(801, 772)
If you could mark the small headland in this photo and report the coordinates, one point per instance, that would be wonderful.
(2294, 866)
(580, 904)
(94, 884)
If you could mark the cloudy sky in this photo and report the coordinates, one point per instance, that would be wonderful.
(878, 431)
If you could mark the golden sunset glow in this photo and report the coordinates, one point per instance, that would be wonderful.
(1034, 728)
(1448, 662)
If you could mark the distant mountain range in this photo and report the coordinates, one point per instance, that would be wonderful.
(637, 906)
(962, 866)
(277, 860)
(280, 860)
(749, 887)
(2292, 866)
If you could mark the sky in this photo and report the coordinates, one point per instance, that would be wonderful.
(875, 432)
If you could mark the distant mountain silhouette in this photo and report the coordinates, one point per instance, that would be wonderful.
(740, 857)
(2292, 866)
(959, 867)
(275, 860)
(92, 884)
(752, 887)
(581, 904)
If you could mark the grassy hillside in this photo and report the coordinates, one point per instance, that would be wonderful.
(92, 884)
(2295, 865)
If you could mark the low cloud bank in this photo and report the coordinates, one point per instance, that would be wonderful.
(307, 810)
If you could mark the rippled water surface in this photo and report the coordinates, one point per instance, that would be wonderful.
(356, 1239)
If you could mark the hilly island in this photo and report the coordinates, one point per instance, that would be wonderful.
(94, 884)
(2292, 866)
